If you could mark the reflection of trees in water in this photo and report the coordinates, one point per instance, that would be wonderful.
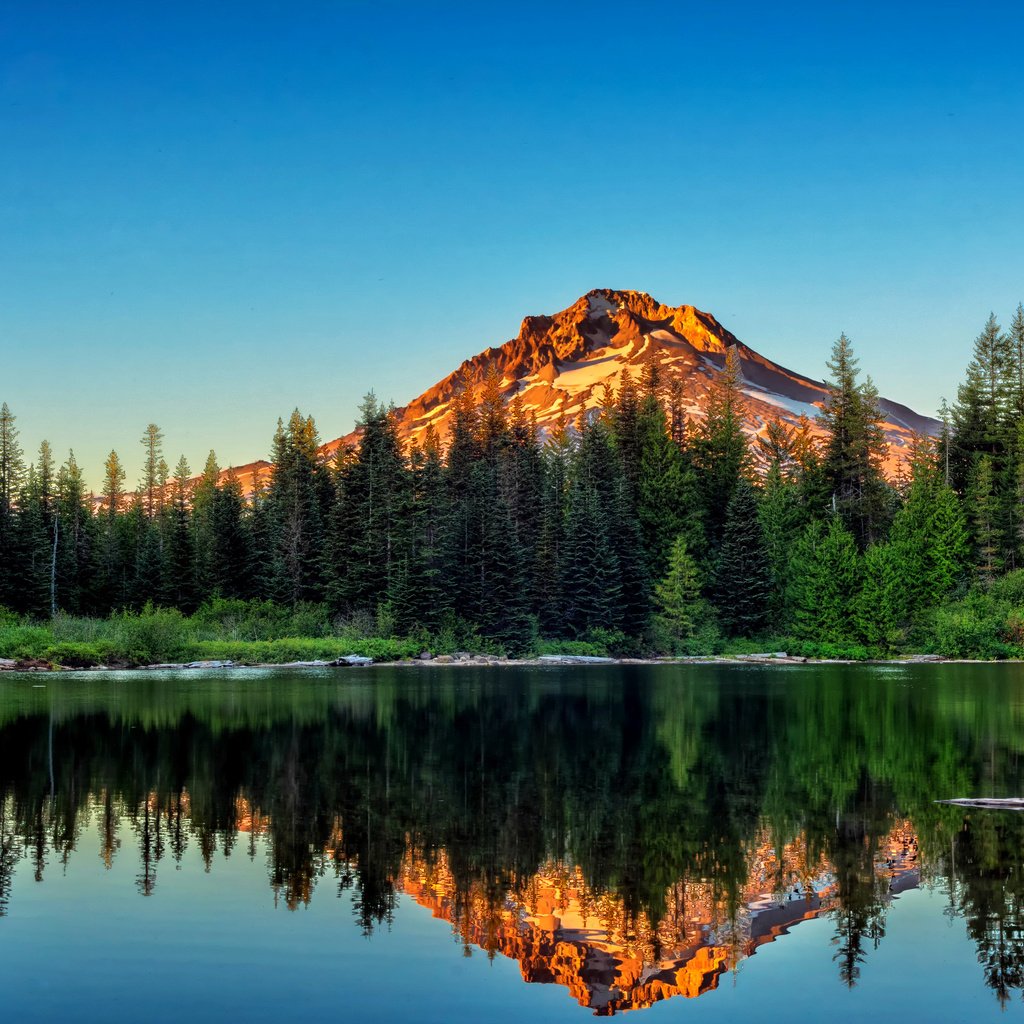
(649, 787)
(989, 889)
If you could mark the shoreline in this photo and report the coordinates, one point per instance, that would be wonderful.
(467, 660)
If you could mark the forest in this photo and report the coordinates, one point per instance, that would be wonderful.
(637, 530)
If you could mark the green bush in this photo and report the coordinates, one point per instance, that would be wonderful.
(151, 636)
(969, 629)
(277, 652)
(828, 650)
(81, 655)
(1009, 589)
(22, 641)
(579, 648)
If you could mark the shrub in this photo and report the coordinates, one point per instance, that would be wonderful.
(23, 641)
(970, 630)
(151, 636)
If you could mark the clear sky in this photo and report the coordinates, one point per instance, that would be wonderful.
(212, 213)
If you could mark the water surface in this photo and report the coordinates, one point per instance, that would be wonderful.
(515, 844)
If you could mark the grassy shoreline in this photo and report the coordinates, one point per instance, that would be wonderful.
(978, 628)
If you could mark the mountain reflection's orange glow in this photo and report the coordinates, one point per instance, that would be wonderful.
(563, 932)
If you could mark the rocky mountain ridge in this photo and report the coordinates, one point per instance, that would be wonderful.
(560, 365)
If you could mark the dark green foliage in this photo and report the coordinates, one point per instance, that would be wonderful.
(720, 453)
(298, 499)
(369, 536)
(743, 579)
(855, 447)
(825, 582)
(677, 596)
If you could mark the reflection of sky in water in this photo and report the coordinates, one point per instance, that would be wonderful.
(212, 945)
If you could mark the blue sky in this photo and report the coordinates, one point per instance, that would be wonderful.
(210, 214)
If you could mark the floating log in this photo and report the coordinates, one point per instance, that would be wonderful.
(1010, 803)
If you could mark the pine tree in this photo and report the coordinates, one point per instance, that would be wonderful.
(180, 579)
(981, 416)
(743, 585)
(947, 555)
(12, 465)
(721, 454)
(983, 505)
(557, 456)
(299, 498)
(370, 526)
(229, 556)
(1016, 351)
(824, 582)
(589, 570)
(884, 606)
(417, 595)
(113, 568)
(12, 469)
(152, 443)
(30, 569)
(664, 492)
(855, 447)
(74, 577)
(677, 595)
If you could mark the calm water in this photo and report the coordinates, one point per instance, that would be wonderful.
(709, 843)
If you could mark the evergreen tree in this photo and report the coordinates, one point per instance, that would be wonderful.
(12, 468)
(1016, 352)
(113, 572)
(883, 605)
(677, 595)
(721, 454)
(981, 416)
(152, 443)
(30, 568)
(547, 582)
(983, 505)
(664, 493)
(202, 495)
(418, 596)
(779, 515)
(75, 568)
(743, 583)
(180, 579)
(299, 499)
(369, 537)
(824, 582)
(229, 554)
(589, 570)
(855, 447)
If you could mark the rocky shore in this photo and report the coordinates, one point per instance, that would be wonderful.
(462, 659)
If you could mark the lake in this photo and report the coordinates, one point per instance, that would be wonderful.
(702, 842)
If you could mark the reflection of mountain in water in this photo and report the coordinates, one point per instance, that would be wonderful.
(629, 833)
(561, 931)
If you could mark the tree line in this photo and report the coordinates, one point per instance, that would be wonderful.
(636, 526)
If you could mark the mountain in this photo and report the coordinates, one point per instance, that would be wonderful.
(559, 365)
